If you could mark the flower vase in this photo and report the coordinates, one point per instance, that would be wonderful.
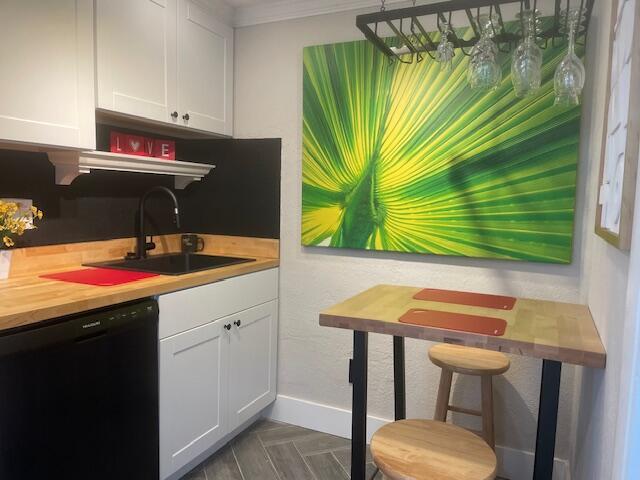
(5, 263)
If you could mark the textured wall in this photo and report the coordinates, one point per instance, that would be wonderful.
(269, 104)
(604, 287)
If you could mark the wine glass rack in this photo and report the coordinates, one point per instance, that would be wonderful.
(411, 35)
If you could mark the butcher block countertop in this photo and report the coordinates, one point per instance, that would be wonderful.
(535, 328)
(25, 298)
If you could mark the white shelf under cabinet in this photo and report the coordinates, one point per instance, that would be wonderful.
(69, 165)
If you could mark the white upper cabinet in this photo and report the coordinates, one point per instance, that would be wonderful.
(47, 81)
(169, 61)
(136, 57)
(205, 69)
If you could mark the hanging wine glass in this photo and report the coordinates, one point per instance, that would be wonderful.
(484, 71)
(570, 73)
(526, 67)
(445, 51)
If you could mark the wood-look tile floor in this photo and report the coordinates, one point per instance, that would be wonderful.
(277, 451)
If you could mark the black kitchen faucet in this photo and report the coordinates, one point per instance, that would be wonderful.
(142, 245)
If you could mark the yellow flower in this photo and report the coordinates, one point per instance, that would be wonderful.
(15, 220)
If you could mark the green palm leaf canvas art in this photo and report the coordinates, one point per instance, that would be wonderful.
(407, 158)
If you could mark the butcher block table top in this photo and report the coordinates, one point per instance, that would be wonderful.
(548, 330)
(27, 298)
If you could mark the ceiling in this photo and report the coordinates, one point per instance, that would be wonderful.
(252, 12)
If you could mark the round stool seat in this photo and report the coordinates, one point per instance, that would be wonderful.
(431, 450)
(468, 361)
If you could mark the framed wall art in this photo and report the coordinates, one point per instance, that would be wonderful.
(408, 158)
(620, 146)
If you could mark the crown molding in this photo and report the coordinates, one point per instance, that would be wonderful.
(291, 9)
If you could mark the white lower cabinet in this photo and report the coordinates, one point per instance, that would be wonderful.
(252, 362)
(220, 373)
(193, 368)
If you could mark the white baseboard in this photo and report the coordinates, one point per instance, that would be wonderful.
(512, 464)
(322, 418)
(517, 464)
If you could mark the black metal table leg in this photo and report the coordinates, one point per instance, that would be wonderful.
(399, 389)
(547, 420)
(358, 377)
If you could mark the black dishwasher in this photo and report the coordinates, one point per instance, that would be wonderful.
(79, 397)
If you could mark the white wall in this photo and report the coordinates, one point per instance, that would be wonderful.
(604, 287)
(313, 360)
(626, 462)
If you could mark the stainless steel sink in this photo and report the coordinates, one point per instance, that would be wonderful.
(174, 263)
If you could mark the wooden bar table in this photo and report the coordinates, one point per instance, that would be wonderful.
(554, 332)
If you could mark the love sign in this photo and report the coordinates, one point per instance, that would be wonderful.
(143, 146)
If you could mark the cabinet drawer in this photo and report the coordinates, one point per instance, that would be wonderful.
(187, 309)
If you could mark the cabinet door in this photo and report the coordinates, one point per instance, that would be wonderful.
(193, 379)
(205, 69)
(252, 362)
(46, 86)
(136, 57)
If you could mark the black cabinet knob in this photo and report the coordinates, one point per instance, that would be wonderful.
(227, 326)
(174, 115)
(237, 323)
(185, 117)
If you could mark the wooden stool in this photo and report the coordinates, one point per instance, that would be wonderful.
(428, 450)
(468, 361)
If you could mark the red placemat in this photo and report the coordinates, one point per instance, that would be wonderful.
(455, 321)
(466, 298)
(102, 277)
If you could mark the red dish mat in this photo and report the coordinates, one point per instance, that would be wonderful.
(102, 277)
(466, 298)
(455, 321)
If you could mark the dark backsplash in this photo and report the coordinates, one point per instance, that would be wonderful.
(241, 196)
